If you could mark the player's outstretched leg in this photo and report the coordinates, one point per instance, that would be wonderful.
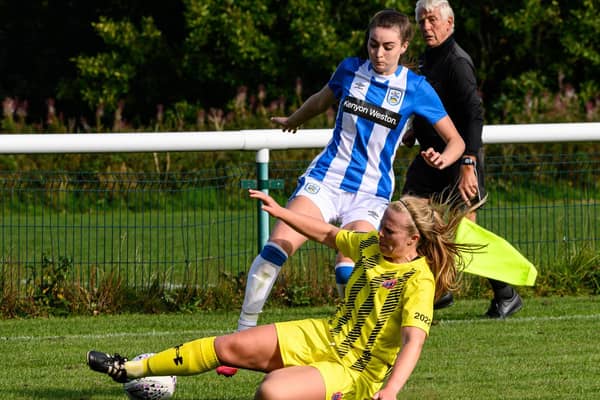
(189, 358)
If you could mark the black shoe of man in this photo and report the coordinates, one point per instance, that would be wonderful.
(503, 308)
(446, 300)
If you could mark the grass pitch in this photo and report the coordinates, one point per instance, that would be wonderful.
(549, 350)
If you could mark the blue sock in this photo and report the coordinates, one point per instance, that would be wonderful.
(343, 270)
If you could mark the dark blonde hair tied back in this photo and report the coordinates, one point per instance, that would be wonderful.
(436, 223)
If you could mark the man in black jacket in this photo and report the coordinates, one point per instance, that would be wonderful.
(450, 70)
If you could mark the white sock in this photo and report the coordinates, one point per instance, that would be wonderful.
(261, 278)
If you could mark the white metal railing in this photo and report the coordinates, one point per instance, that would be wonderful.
(259, 139)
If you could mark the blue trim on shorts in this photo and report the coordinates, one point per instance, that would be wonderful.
(301, 182)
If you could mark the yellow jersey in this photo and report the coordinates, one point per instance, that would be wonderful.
(381, 297)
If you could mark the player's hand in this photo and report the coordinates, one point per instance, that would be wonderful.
(283, 121)
(269, 203)
(385, 394)
(468, 185)
(434, 158)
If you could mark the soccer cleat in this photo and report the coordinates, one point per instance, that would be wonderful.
(113, 366)
(502, 308)
(446, 300)
(226, 371)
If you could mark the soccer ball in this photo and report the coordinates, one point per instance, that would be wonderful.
(150, 387)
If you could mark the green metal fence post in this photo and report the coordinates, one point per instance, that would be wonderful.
(262, 176)
(263, 183)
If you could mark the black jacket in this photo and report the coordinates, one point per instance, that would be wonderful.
(450, 70)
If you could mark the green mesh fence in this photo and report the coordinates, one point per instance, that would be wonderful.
(548, 205)
(200, 227)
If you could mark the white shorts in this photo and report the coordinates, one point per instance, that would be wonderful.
(340, 207)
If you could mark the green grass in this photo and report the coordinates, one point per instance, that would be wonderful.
(549, 350)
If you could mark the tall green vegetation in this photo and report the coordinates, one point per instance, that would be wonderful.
(141, 63)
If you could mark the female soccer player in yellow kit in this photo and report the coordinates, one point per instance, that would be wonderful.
(370, 345)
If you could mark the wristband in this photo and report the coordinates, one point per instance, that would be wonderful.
(468, 161)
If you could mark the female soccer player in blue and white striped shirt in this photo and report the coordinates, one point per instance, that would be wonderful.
(352, 179)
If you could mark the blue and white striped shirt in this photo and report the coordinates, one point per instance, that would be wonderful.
(370, 122)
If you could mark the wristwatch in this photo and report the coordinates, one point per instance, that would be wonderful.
(468, 161)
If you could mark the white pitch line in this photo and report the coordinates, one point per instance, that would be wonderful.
(202, 333)
(520, 319)
(114, 335)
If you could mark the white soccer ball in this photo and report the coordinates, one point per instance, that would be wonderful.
(150, 387)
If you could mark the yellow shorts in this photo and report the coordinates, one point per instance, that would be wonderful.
(307, 343)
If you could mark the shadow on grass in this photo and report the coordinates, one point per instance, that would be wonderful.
(65, 393)
(112, 392)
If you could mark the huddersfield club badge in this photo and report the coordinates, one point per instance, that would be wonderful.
(394, 96)
(312, 188)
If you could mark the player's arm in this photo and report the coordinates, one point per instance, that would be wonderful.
(413, 339)
(315, 105)
(455, 145)
(313, 228)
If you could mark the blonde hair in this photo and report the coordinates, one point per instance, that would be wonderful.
(436, 224)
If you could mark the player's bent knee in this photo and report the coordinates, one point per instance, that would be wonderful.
(303, 383)
(226, 348)
(265, 390)
(271, 388)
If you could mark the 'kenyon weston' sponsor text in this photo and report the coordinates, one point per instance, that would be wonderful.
(379, 115)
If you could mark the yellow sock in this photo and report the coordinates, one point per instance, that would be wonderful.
(189, 358)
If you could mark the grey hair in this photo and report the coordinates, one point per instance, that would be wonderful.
(430, 5)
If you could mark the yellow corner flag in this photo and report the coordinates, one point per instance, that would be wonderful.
(499, 260)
